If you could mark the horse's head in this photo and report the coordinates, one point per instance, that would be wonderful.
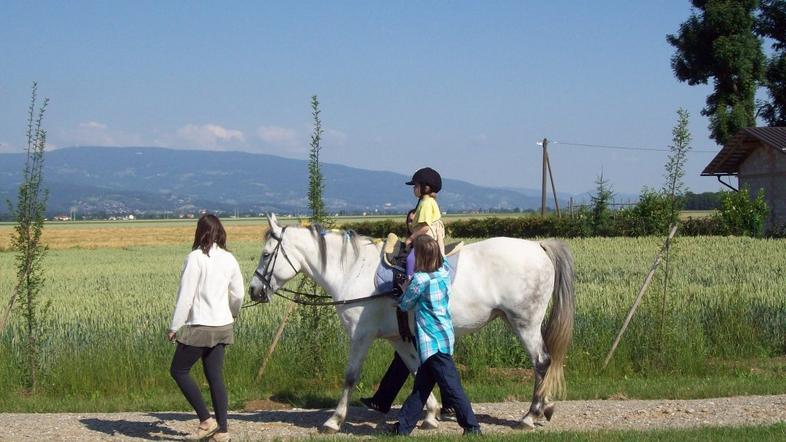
(275, 264)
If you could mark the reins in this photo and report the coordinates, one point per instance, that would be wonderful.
(312, 299)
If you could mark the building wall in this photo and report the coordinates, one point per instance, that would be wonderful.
(765, 168)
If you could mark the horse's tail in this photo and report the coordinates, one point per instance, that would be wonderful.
(558, 331)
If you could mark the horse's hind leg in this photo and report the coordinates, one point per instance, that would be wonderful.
(358, 348)
(410, 357)
(530, 336)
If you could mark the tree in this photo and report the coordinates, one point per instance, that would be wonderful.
(674, 189)
(771, 24)
(718, 41)
(26, 240)
(601, 214)
(316, 185)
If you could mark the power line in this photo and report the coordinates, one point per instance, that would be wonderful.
(604, 146)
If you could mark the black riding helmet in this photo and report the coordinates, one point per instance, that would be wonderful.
(427, 176)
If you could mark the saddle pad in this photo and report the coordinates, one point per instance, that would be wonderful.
(383, 278)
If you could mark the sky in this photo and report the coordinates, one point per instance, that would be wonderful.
(466, 87)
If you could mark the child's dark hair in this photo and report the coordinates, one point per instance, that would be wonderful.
(209, 230)
(406, 221)
(428, 257)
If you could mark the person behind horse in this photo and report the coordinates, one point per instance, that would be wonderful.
(428, 294)
(426, 183)
(398, 372)
(210, 296)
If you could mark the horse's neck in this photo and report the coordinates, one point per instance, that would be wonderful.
(341, 262)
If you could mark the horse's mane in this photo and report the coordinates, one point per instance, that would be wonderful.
(350, 241)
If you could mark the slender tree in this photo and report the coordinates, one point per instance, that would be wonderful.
(771, 24)
(316, 185)
(674, 192)
(315, 319)
(718, 42)
(601, 213)
(26, 240)
(674, 189)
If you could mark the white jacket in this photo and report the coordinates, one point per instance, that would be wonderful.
(211, 289)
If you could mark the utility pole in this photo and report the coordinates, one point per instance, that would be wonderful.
(544, 191)
(545, 144)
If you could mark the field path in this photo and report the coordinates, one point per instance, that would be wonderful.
(494, 417)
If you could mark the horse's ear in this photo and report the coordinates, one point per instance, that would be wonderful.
(273, 223)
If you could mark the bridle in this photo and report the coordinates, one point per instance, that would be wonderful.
(311, 298)
(271, 263)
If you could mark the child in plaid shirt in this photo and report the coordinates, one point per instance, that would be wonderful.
(428, 294)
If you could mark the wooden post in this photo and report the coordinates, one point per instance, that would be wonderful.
(636, 302)
(273, 345)
(543, 186)
(553, 186)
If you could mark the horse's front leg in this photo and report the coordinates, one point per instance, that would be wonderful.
(358, 348)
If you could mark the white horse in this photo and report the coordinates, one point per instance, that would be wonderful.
(498, 277)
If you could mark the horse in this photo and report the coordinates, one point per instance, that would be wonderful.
(508, 278)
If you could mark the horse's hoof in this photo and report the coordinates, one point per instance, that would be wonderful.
(325, 429)
(527, 423)
(429, 424)
(548, 411)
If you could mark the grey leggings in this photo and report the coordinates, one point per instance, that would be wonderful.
(213, 365)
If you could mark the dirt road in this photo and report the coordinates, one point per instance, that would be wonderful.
(494, 418)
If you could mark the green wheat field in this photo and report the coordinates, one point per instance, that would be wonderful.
(717, 330)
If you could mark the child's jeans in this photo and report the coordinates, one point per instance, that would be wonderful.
(438, 369)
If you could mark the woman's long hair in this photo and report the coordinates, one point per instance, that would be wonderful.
(209, 230)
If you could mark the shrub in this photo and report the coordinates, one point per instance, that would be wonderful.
(742, 215)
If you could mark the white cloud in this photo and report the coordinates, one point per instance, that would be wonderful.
(92, 125)
(335, 137)
(94, 133)
(209, 136)
(278, 136)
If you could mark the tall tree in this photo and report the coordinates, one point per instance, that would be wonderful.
(718, 42)
(674, 188)
(315, 182)
(26, 240)
(771, 24)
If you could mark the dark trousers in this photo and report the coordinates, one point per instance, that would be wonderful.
(213, 365)
(392, 382)
(438, 369)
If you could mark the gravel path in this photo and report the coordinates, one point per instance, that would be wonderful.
(494, 418)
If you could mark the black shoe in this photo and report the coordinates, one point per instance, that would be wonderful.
(369, 402)
(392, 430)
(473, 431)
(447, 414)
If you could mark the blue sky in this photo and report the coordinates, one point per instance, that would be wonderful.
(466, 87)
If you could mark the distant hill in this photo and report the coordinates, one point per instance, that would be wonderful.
(147, 180)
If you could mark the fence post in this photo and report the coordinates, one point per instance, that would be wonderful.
(636, 302)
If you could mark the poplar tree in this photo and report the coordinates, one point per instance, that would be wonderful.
(26, 240)
(718, 43)
(771, 24)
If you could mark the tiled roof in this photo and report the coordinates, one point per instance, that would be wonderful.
(737, 149)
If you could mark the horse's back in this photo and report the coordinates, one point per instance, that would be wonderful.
(497, 276)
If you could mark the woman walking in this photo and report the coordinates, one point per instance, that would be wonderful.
(208, 301)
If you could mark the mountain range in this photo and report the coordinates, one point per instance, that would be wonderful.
(104, 181)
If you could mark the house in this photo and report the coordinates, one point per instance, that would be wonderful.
(757, 157)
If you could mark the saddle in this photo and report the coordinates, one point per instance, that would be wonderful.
(392, 273)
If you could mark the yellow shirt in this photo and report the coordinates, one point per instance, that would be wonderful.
(427, 211)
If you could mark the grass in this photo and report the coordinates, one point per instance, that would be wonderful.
(723, 332)
(776, 432)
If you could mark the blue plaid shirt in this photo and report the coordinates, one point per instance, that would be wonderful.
(428, 294)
